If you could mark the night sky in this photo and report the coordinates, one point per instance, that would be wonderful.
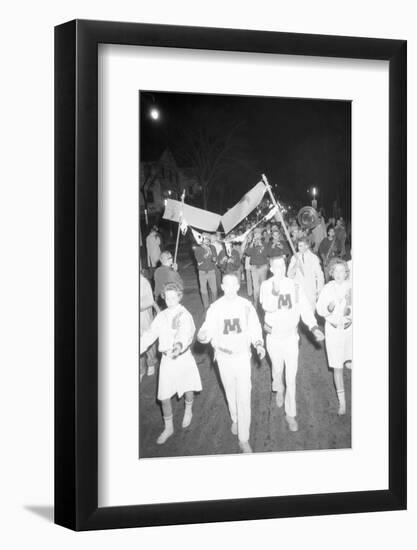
(297, 143)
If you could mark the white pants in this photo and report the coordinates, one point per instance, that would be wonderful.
(284, 350)
(235, 372)
(259, 274)
(249, 286)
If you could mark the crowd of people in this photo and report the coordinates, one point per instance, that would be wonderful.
(304, 278)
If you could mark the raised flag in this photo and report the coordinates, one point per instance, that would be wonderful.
(197, 236)
(271, 213)
(244, 207)
(176, 211)
(183, 226)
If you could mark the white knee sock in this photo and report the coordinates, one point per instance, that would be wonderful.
(168, 431)
(342, 401)
(188, 414)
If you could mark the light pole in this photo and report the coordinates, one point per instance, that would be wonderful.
(152, 111)
(314, 201)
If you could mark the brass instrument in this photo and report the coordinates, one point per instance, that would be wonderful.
(308, 217)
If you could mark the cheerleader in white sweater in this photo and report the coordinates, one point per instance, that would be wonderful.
(285, 303)
(335, 305)
(178, 373)
(232, 326)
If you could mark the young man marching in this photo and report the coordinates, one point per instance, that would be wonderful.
(206, 257)
(258, 254)
(231, 326)
(305, 269)
(284, 302)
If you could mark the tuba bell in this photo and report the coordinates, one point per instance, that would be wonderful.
(308, 217)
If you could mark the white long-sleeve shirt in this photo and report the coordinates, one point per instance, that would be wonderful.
(308, 273)
(170, 326)
(339, 295)
(153, 248)
(146, 304)
(284, 306)
(231, 326)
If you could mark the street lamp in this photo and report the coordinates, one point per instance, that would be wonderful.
(154, 113)
(314, 201)
(150, 105)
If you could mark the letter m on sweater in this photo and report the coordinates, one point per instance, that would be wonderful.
(231, 325)
(284, 300)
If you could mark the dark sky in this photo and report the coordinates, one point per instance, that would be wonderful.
(297, 143)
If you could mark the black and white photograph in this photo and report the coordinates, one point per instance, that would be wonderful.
(245, 274)
(208, 297)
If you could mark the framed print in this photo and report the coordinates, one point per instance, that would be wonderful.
(216, 191)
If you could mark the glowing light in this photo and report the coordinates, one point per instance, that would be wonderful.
(154, 113)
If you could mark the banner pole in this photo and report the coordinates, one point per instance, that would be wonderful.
(281, 219)
(178, 231)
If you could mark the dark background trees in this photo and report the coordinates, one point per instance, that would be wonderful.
(229, 141)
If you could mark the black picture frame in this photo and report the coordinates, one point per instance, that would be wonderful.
(76, 272)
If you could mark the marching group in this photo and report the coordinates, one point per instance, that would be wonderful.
(313, 284)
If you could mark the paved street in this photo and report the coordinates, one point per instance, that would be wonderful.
(209, 433)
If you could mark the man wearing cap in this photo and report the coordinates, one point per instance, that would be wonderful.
(206, 257)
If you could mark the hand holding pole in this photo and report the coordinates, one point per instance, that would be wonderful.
(281, 219)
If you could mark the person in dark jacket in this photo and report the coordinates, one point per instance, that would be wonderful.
(206, 257)
(166, 273)
(258, 254)
(229, 260)
(328, 249)
(277, 246)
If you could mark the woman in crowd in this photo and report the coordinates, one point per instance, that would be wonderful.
(335, 305)
(178, 373)
(153, 247)
(146, 363)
